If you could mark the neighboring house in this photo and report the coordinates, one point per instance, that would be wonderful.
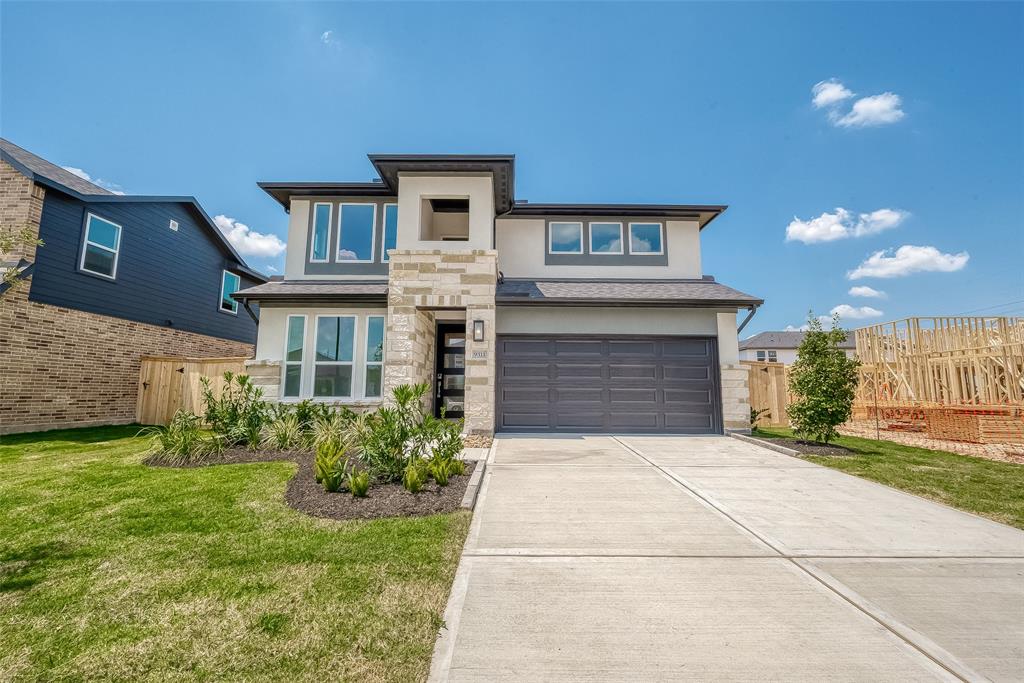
(117, 277)
(520, 317)
(781, 347)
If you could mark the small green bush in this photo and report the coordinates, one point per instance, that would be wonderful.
(239, 413)
(182, 441)
(326, 460)
(456, 467)
(284, 433)
(413, 480)
(359, 483)
(440, 470)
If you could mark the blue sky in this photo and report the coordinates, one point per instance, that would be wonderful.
(918, 142)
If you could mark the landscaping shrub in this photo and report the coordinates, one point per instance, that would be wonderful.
(823, 381)
(332, 427)
(359, 483)
(182, 441)
(412, 479)
(440, 470)
(330, 466)
(284, 433)
(239, 413)
(384, 445)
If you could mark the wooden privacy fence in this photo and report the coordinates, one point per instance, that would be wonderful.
(171, 383)
(768, 390)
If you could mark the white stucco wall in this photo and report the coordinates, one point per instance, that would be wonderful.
(298, 223)
(413, 188)
(521, 250)
(566, 320)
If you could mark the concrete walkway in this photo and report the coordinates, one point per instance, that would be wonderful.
(707, 558)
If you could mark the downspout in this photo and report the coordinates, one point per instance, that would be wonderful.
(753, 310)
(255, 318)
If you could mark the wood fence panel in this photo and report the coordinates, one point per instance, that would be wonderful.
(168, 384)
(769, 390)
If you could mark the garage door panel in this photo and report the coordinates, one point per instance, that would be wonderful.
(608, 384)
(578, 371)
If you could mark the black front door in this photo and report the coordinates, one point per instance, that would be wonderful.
(450, 392)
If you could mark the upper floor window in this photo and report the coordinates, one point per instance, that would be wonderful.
(606, 238)
(355, 232)
(390, 230)
(229, 284)
(645, 238)
(321, 233)
(101, 247)
(771, 356)
(565, 238)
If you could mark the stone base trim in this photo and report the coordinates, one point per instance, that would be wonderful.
(735, 397)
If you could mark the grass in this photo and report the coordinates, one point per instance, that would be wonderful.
(985, 487)
(113, 570)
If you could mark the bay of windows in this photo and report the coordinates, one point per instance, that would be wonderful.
(344, 358)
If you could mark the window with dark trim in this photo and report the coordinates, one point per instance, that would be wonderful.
(390, 230)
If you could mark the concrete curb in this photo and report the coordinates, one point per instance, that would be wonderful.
(473, 487)
(766, 444)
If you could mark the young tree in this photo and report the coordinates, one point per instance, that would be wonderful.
(823, 381)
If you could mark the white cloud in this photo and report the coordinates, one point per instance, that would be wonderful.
(326, 37)
(271, 269)
(841, 224)
(105, 184)
(867, 292)
(794, 328)
(876, 110)
(828, 93)
(248, 242)
(848, 312)
(906, 260)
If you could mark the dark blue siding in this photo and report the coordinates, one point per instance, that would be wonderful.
(162, 275)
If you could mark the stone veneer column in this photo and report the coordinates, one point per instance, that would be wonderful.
(735, 377)
(422, 281)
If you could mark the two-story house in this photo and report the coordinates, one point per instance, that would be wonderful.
(521, 317)
(783, 347)
(117, 277)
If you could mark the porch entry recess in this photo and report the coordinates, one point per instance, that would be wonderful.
(608, 383)
(450, 379)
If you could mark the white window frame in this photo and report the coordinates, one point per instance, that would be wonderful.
(622, 246)
(551, 234)
(384, 230)
(773, 356)
(86, 243)
(761, 356)
(352, 363)
(373, 237)
(661, 239)
(301, 362)
(367, 363)
(312, 231)
(220, 303)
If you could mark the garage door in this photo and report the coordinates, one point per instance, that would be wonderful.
(608, 384)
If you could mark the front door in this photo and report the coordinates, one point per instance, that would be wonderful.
(450, 392)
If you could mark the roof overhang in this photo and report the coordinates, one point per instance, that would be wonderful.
(283, 192)
(500, 166)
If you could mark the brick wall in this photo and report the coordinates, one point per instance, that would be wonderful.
(21, 205)
(65, 368)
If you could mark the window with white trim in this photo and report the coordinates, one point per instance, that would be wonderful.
(773, 356)
(356, 230)
(295, 343)
(606, 238)
(101, 247)
(374, 374)
(332, 363)
(229, 284)
(761, 356)
(390, 231)
(321, 240)
(565, 238)
(645, 238)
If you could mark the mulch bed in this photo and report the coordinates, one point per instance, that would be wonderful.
(383, 500)
(809, 447)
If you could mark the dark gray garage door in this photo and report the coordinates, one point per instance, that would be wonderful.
(608, 384)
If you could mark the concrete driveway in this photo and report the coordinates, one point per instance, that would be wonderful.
(708, 558)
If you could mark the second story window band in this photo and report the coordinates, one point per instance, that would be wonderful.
(565, 238)
(356, 230)
(321, 233)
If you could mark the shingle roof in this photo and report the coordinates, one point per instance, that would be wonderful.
(784, 340)
(48, 170)
(307, 289)
(663, 292)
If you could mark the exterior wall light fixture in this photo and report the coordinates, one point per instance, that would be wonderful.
(478, 330)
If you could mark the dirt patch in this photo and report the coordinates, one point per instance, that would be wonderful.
(383, 500)
(809, 447)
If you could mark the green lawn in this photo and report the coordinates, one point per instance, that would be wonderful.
(113, 570)
(985, 487)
